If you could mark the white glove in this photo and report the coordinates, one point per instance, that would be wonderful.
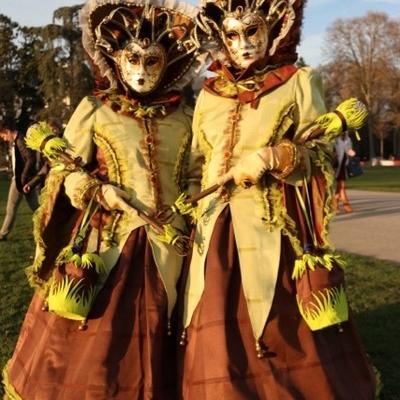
(114, 198)
(250, 169)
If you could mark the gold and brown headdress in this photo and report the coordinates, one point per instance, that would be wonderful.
(108, 25)
(283, 19)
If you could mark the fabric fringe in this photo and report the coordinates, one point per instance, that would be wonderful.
(289, 230)
(285, 120)
(311, 261)
(182, 161)
(10, 392)
(329, 176)
(117, 169)
(83, 261)
(206, 149)
(48, 198)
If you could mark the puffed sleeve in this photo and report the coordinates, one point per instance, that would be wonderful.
(309, 97)
(79, 133)
(196, 156)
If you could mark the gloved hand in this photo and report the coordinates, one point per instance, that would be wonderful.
(114, 198)
(280, 159)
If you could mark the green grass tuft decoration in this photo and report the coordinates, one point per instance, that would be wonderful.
(70, 299)
(329, 308)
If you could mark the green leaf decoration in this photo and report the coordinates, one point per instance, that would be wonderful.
(170, 234)
(310, 261)
(92, 260)
(182, 206)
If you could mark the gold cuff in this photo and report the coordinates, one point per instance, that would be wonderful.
(86, 192)
(286, 165)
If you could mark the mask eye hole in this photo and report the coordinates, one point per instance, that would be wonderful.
(151, 61)
(134, 58)
(232, 35)
(251, 30)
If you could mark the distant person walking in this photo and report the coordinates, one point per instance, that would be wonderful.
(23, 163)
(343, 150)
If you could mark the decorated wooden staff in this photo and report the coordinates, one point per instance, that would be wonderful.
(41, 138)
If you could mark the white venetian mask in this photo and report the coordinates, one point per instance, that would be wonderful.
(142, 65)
(245, 38)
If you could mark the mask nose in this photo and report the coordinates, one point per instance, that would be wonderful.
(244, 43)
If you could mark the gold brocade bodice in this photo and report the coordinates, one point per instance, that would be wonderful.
(144, 156)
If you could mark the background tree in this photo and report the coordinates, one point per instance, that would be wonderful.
(8, 70)
(27, 81)
(363, 63)
(43, 70)
(63, 70)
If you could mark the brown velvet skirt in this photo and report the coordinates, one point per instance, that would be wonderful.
(124, 354)
(220, 361)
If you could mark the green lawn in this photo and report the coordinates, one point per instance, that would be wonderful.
(382, 179)
(372, 286)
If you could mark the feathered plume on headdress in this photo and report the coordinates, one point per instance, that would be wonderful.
(283, 17)
(107, 26)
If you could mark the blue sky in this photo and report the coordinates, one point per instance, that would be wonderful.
(319, 15)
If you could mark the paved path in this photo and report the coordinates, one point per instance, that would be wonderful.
(373, 229)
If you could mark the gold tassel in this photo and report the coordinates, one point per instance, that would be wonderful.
(182, 341)
(169, 328)
(260, 351)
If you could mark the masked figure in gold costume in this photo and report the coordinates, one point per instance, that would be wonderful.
(98, 261)
(265, 314)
